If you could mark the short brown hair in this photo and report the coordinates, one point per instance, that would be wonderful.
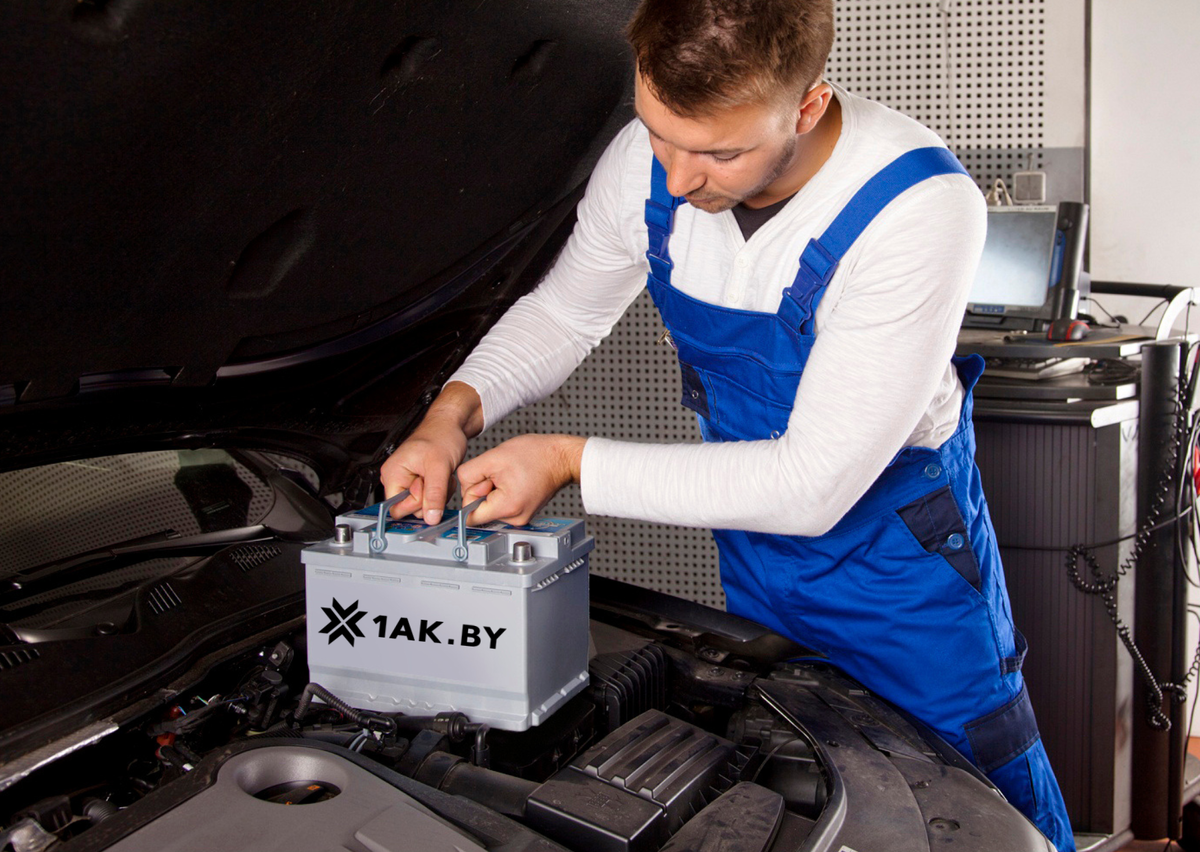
(701, 55)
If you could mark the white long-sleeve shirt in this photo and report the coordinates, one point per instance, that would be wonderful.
(878, 378)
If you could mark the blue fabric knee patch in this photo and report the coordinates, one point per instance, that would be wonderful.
(1002, 734)
(1028, 783)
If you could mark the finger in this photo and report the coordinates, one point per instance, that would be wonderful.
(479, 489)
(474, 470)
(475, 492)
(394, 479)
(472, 477)
(489, 510)
(475, 483)
(409, 504)
(500, 506)
(396, 476)
(433, 501)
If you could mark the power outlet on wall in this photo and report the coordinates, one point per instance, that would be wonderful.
(1029, 187)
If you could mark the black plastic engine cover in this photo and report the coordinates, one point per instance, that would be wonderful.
(636, 787)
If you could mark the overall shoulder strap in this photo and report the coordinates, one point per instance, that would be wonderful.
(660, 221)
(822, 254)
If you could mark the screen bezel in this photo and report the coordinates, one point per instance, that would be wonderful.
(1060, 275)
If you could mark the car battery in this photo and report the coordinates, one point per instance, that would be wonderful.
(491, 621)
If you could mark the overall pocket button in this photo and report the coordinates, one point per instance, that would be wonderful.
(955, 541)
(933, 471)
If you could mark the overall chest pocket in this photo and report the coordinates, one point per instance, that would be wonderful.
(746, 398)
(732, 407)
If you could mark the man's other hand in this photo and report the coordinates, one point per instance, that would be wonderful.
(424, 462)
(520, 476)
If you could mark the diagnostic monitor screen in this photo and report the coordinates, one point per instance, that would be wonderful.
(1015, 268)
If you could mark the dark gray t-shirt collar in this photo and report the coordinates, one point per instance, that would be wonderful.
(750, 220)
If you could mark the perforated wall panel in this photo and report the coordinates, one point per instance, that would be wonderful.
(972, 70)
(628, 389)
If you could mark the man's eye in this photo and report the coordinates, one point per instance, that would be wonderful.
(726, 158)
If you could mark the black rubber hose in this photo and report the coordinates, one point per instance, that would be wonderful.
(456, 726)
(269, 713)
(98, 810)
(506, 794)
(358, 717)
(481, 752)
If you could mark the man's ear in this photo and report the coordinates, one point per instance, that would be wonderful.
(812, 107)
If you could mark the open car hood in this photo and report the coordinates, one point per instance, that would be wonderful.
(278, 226)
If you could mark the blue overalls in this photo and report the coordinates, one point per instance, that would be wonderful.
(906, 593)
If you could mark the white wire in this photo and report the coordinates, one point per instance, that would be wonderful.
(999, 194)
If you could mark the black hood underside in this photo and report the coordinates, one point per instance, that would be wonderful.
(278, 225)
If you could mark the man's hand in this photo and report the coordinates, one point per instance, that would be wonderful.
(520, 476)
(424, 462)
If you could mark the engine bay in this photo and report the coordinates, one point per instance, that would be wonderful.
(609, 766)
(166, 686)
(685, 738)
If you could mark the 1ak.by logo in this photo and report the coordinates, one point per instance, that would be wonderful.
(345, 620)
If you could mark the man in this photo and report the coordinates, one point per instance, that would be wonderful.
(837, 471)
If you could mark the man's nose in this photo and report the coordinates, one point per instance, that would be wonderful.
(684, 174)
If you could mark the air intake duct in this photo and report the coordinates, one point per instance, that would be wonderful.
(625, 684)
(628, 793)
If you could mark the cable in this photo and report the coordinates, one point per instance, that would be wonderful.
(1187, 485)
(1112, 371)
(1100, 545)
(1186, 434)
(999, 197)
(1196, 691)
(1189, 479)
(951, 141)
(771, 756)
(1118, 320)
(1152, 310)
(367, 719)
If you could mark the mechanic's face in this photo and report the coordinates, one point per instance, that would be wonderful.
(742, 153)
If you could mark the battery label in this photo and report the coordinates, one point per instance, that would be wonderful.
(472, 534)
(356, 627)
(536, 525)
(405, 527)
(344, 624)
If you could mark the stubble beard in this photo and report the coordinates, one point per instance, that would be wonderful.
(721, 203)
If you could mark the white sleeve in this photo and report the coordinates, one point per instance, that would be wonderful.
(544, 336)
(874, 368)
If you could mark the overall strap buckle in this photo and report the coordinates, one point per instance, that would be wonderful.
(660, 222)
(822, 255)
(817, 265)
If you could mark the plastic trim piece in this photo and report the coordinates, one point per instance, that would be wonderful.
(25, 765)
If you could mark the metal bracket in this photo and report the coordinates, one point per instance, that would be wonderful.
(460, 549)
(378, 543)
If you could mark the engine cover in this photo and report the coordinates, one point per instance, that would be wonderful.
(355, 811)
